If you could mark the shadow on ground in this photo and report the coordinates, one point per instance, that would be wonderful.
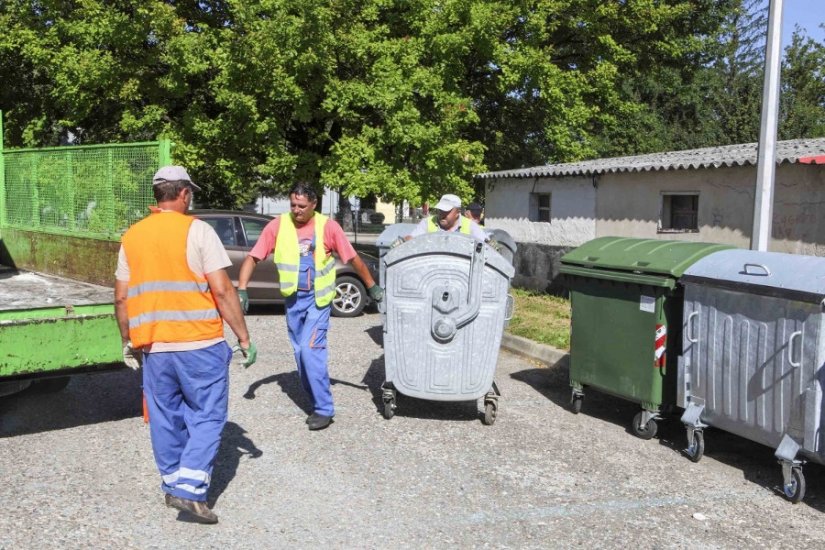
(236, 445)
(88, 399)
(756, 462)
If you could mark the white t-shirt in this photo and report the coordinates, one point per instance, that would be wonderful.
(204, 254)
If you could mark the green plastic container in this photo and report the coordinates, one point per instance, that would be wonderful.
(627, 320)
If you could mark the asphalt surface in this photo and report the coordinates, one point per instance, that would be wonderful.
(77, 467)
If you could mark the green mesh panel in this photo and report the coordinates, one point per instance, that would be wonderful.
(95, 191)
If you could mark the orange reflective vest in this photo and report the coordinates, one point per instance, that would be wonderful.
(167, 301)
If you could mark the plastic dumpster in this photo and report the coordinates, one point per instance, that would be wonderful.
(753, 353)
(626, 319)
(445, 307)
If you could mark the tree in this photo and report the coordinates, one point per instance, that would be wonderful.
(402, 99)
(802, 112)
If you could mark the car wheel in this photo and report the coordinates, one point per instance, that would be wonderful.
(350, 297)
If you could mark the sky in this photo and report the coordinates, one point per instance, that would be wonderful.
(808, 14)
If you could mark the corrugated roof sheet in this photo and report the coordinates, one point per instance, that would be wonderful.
(790, 151)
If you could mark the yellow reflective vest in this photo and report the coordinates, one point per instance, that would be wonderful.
(432, 225)
(287, 260)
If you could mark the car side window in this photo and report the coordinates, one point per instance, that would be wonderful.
(225, 228)
(253, 229)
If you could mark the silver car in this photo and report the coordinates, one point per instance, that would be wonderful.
(239, 231)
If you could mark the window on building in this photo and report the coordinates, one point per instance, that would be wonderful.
(680, 212)
(540, 207)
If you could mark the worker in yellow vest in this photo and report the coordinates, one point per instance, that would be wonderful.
(448, 218)
(302, 242)
(172, 296)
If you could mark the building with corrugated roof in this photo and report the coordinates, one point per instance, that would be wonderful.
(695, 195)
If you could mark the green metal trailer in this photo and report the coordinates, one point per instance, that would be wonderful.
(62, 211)
(69, 327)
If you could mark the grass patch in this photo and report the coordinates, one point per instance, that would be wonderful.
(542, 318)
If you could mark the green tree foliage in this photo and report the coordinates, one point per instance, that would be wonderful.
(803, 89)
(404, 99)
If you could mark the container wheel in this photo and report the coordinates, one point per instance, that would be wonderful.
(490, 412)
(389, 408)
(795, 490)
(696, 449)
(576, 399)
(644, 432)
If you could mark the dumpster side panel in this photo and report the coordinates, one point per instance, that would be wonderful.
(752, 360)
(419, 365)
(613, 336)
(59, 340)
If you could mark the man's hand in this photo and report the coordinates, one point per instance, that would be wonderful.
(243, 295)
(376, 293)
(397, 241)
(131, 356)
(250, 352)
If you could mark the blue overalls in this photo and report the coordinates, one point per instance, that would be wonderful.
(307, 325)
(187, 398)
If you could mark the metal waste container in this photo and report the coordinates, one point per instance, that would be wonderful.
(753, 353)
(445, 307)
(386, 240)
(626, 319)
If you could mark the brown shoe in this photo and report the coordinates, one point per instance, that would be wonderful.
(200, 510)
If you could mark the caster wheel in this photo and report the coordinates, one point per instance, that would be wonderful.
(389, 409)
(696, 449)
(795, 490)
(644, 432)
(490, 413)
(576, 403)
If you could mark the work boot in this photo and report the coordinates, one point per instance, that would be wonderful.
(318, 421)
(200, 510)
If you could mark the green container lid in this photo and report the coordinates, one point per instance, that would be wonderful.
(639, 256)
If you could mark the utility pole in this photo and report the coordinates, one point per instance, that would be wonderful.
(766, 163)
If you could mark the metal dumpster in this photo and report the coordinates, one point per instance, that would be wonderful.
(753, 353)
(386, 240)
(626, 319)
(445, 307)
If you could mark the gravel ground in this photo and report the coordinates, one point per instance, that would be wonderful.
(78, 470)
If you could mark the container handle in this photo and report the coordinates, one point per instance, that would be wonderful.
(690, 331)
(765, 271)
(509, 308)
(790, 350)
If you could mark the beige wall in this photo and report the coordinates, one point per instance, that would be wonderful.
(572, 210)
(628, 204)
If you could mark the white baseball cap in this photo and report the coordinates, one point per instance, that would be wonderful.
(173, 173)
(448, 202)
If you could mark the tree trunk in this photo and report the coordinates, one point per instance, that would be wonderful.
(345, 211)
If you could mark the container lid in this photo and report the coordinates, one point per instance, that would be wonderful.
(642, 256)
(392, 232)
(774, 273)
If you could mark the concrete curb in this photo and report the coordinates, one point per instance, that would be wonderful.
(533, 350)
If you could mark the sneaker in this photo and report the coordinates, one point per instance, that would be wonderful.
(318, 421)
(200, 510)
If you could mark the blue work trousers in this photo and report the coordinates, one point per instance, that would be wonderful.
(307, 325)
(187, 397)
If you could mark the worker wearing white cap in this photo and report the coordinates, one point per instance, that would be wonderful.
(448, 218)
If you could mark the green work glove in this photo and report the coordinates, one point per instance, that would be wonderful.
(243, 295)
(376, 293)
(250, 353)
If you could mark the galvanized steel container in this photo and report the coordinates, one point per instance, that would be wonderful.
(753, 351)
(446, 304)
